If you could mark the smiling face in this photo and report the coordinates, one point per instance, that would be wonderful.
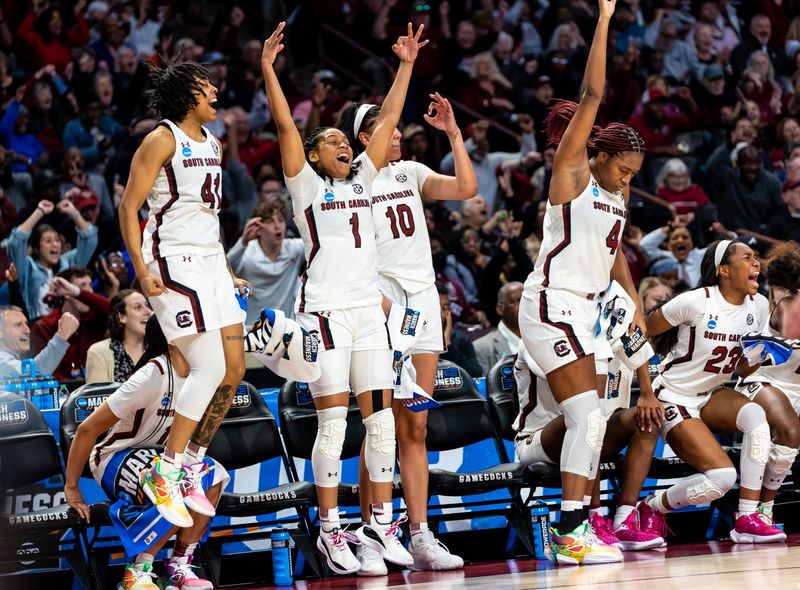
(741, 270)
(137, 312)
(791, 131)
(680, 243)
(50, 248)
(332, 154)
(15, 335)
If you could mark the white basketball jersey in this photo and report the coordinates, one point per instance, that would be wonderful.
(786, 376)
(185, 200)
(580, 242)
(335, 222)
(145, 406)
(404, 250)
(709, 329)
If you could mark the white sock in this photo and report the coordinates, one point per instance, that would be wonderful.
(597, 510)
(171, 462)
(144, 558)
(657, 502)
(747, 507)
(417, 530)
(767, 507)
(587, 500)
(571, 505)
(382, 513)
(194, 453)
(330, 521)
(623, 511)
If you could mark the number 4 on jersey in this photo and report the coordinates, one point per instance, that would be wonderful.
(209, 195)
(612, 240)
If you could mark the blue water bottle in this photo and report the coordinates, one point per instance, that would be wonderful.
(281, 556)
(540, 519)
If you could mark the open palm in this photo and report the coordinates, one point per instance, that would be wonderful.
(408, 46)
(272, 46)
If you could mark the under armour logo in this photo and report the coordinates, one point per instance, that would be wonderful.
(334, 474)
(713, 317)
(385, 469)
(187, 258)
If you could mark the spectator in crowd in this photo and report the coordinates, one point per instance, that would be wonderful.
(93, 132)
(15, 342)
(674, 185)
(490, 91)
(653, 292)
(658, 125)
(757, 83)
(457, 346)
(758, 39)
(678, 59)
(504, 340)
(114, 358)
(46, 257)
(680, 247)
(15, 134)
(785, 225)
(724, 36)
(71, 292)
(714, 97)
(267, 259)
(50, 41)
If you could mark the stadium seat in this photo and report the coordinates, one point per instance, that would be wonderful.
(461, 420)
(29, 454)
(299, 429)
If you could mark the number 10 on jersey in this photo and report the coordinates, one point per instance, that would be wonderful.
(209, 193)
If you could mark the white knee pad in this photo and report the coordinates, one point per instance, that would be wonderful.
(327, 451)
(204, 376)
(586, 428)
(756, 444)
(380, 445)
(702, 488)
(779, 464)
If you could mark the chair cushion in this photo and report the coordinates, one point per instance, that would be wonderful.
(544, 475)
(51, 519)
(669, 468)
(451, 483)
(288, 495)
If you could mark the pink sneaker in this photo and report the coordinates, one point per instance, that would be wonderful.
(632, 538)
(180, 576)
(192, 489)
(652, 521)
(603, 531)
(756, 528)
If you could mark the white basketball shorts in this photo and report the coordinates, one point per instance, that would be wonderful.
(431, 341)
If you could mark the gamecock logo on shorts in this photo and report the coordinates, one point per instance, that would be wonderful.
(670, 413)
(183, 319)
(561, 348)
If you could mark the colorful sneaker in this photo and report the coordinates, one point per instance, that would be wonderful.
(165, 494)
(652, 521)
(430, 554)
(138, 576)
(372, 563)
(383, 539)
(337, 553)
(580, 547)
(180, 576)
(756, 528)
(603, 531)
(633, 538)
(192, 489)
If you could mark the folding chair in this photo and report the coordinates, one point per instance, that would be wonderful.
(29, 454)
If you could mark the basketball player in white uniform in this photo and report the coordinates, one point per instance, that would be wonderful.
(340, 301)
(407, 278)
(708, 323)
(776, 388)
(541, 429)
(583, 225)
(131, 421)
(182, 270)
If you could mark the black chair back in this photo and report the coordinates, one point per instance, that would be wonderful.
(501, 393)
(463, 418)
(249, 433)
(299, 422)
(79, 406)
(28, 450)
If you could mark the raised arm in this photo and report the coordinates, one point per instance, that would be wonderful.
(407, 49)
(464, 185)
(156, 149)
(292, 154)
(570, 164)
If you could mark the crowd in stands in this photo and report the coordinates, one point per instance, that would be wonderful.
(713, 87)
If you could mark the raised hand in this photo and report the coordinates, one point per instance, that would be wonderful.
(607, 8)
(440, 114)
(408, 46)
(45, 206)
(272, 46)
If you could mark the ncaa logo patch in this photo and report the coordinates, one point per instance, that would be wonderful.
(595, 191)
(750, 319)
(358, 189)
(400, 177)
(183, 319)
(328, 196)
(561, 348)
(186, 151)
(711, 324)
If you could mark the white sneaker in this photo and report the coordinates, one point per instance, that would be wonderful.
(430, 554)
(372, 563)
(383, 539)
(337, 553)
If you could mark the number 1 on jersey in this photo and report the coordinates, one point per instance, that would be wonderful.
(356, 235)
(212, 197)
(612, 240)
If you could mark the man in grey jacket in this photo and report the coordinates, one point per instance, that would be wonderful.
(15, 337)
(505, 339)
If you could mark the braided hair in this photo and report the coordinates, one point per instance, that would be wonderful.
(173, 89)
(613, 139)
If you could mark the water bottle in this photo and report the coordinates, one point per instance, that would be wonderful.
(281, 556)
(540, 521)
